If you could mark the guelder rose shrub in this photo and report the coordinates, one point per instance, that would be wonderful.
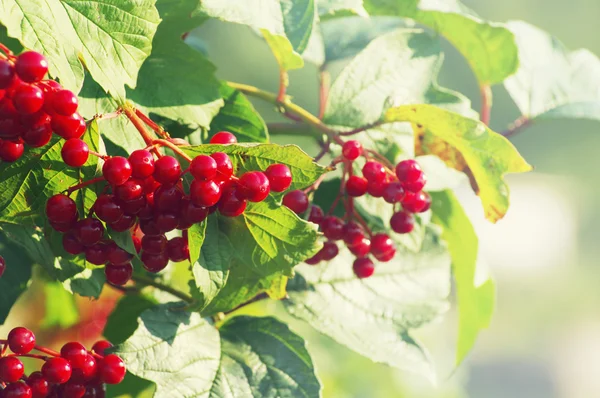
(358, 234)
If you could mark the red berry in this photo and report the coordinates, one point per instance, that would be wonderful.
(203, 168)
(223, 137)
(205, 193)
(356, 186)
(393, 192)
(61, 209)
(156, 244)
(130, 190)
(71, 244)
(142, 163)
(62, 227)
(117, 255)
(31, 66)
(97, 254)
(124, 223)
(10, 151)
(28, 99)
(416, 202)
(333, 228)
(224, 166)
(166, 222)
(39, 385)
(118, 274)
(374, 172)
(363, 267)
(254, 186)
(316, 214)
(350, 228)
(75, 152)
(11, 369)
(100, 346)
(352, 149)
(86, 371)
(21, 340)
(111, 369)
(107, 209)
(116, 170)
(72, 390)
(416, 185)
(38, 135)
(167, 198)
(149, 227)
(191, 213)
(360, 247)
(382, 247)
(72, 126)
(17, 390)
(230, 204)
(74, 352)
(314, 260)
(63, 102)
(297, 201)
(402, 222)
(57, 370)
(329, 251)
(89, 231)
(7, 73)
(134, 206)
(408, 171)
(10, 127)
(178, 249)
(2, 266)
(280, 177)
(154, 262)
(167, 170)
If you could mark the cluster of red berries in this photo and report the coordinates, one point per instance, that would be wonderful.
(148, 195)
(402, 187)
(74, 372)
(32, 108)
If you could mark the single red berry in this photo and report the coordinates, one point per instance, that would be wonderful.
(329, 251)
(86, 371)
(137, 243)
(374, 172)
(89, 231)
(39, 385)
(11, 369)
(382, 247)
(31, 66)
(131, 189)
(356, 186)
(117, 255)
(2, 266)
(254, 186)
(21, 340)
(297, 201)
(178, 249)
(418, 202)
(352, 149)
(361, 247)
(190, 213)
(28, 99)
(155, 244)
(316, 214)
(230, 204)
(11, 151)
(116, 170)
(408, 171)
(393, 192)
(167, 170)
(350, 227)
(416, 185)
(72, 390)
(333, 228)
(57, 370)
(118, 274)
(100, 346)
(95, 390)
(7, 73)
(280, 177)
(142, 163)
(363, 267)
(111, 369)
(63, 102)
(223, 137)
(166, 221)
(154, 262)
(38, 135)
(17, 390)
(107, 209)
(167, 198)
(149, 227)
(62, 227)
(61, 209)
(402, 222)
(11, 128)
(205, 193)
(224, 166)
(203, 168)
(75, 353)
(314, 260)
(72, 126)
(71, 244)
(353, 237)
(96, 254)
(75, 152)
(123, 224)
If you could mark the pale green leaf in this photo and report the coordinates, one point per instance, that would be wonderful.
(329, 8)
(286, 57)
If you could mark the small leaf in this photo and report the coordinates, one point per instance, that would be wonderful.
(16, 276)
(87, 283)
(61, 309)
(487, 154)
(122, 321)
(286, 57)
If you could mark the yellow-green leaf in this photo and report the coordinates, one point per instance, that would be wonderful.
(283, 51)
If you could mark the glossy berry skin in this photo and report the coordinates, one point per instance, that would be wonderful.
(11, 151)
(178, 249)
(329, 251)
(116, 170)
(166, 222)
(416, 202)
(11, 369)
(126, 222)
(376, 189)
(61, 209)
(154, 262)
(382, 247)
(71, 244)
(230, 204)
(31, 66)
(38, 135)
(316, 214)
(118, 274)
(254, 186)
(89, 231)
(107, 209)
(142, 163)
(363, 267)
(28, 99)
(416, 185)
(224, 166)
(154, 244)
(111, 369)
(64, 102)
(7, 73)
(402, 222)
(131, 189)
(167, 198)
(74, 352)
(408, 171)
(17, 390)
(75, 152)
(191, 213)
(223, 137)
(393, 192)
(352, 149)
(205, 193)
(100, 346)
(2, 266)
(333, 228)
(356, 186)
(167, 170)
(357, 243)
(86, 371)
(57, 370)
(96, 254)
(72, 126)
(374, 172)
(39, 385)
(297, 201)
(72, 390)
(21, 340)
(280, 177)
(203, 168)
(117, 255)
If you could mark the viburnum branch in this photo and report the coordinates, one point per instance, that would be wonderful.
(258, 297)
(173, 147)
(36, 356)
(486, 104)
(84, 184)
(143, 280)
(157, 129)
(99, 155)
(138, 123)
(283, 83)
(516, 126)
(6, 50)
(47, 351)
(361, 129)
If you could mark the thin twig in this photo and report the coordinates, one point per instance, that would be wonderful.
(516, 126)
(486, 104)
(161, 286)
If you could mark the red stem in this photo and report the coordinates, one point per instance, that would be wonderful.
(173, 147)
(98, 155)
(139, 125)
(6, 50)
(46, 351)
(517, 126)
(486, 104)
(84, 184)
(36, 356)
(324, 83)
(157, 129)
(283, 82)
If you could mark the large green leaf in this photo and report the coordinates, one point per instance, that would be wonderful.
(487, 154)
(551, 81)
(374, 316)
(489, 48)
(122, 321)
(475, 301)
(111, 37)
(16, 277)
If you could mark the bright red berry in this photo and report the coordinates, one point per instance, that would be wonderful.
(178, 249)
(280, 177)
(39, 385)
(116, 170)
(167, 170)
(74, 352)
(360, 247)
(205, 193)
(118, 274)
(63, 102)
(316, 214)
(416, 202)
(402, 222)
(352, 149)
(356, 186)
(31, 66)
(11, 369)
(416, 185)
(89, 231)
(230, 204)
(297, 201)
(408, 171)
(131, 189)
(329, 251)
(254, 186)
(154, 262)
(21, 340)
(11, 151)
(100, 346)
(142, 163)
(375, 189)
(382, 247)
(393, 192)
(86, 371)
(61, 209)
(224, 166)
(17, 390)
(75, 152)
(28, 99)
(203, 168)
(107, 209)
(72, 390)
(57, 370)
(223, 137)
(374, 172)
(7, 73)
(363, 267)
(333, 228)
(111, 369)
(71, 244)
(71, 126)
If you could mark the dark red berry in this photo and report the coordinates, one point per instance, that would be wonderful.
(314, 260)
(154, 244)
(57, 370)
(316, 214)
(118, 274)
(350, 228)
(416, 202)
(31, 66)
(154, 262)
(393, 192)
(167, 170)
(39, 385)
(74, 352)
(191, 213)
(75, 152)
(11, 151)
(38, 135)
(63, 102)
(17, 390)
(111, 369)
(130, 190)
(28, 99)
(107, 209)
(149, 227)
(356, 186)
(124, 223)
(117, 255)
(297, 201)
(166, 222)
(280, 177)
(72, 126)
(11, 369)
(89, 231)
(2, 266)
(223, 137)
(363, 267)
(21, 340)
(382, 247)
(142, 164)
(416, 185)
(178, 249)
(11, 128)
(333, 228)
(62, 227)
(352, 149)
(133, 207)
(224, 166)
(402, 222)
(116, 170)
(408, 171)
(329, 251)
(96, 254)
(374, 172)
(7, 73)
(354, 238)
(205, 193)
(71, 244)
(254, 186)
(72, 390)
(203, 168)
(230, 204)
(100, 346)
(61, 209)
(167, 198)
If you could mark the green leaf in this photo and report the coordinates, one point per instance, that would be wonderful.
(262, 357)
(475, 302)
(488, 155)
(111, 37)
(374, 316)
(489, 48)
(123, 239)
(239, 117)
(551, 81)
(337, 7)
(282, 49)
(87, 283)
(16, 276)
(61, 309)
(122, 321)
(196, 236)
